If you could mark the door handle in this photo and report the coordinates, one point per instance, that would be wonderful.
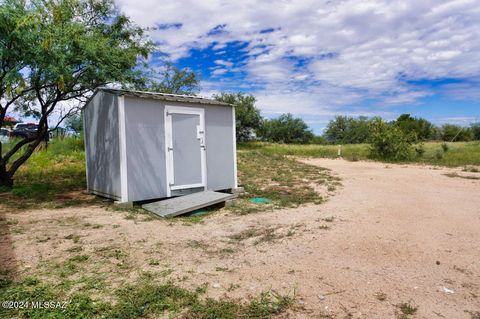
(170, 148)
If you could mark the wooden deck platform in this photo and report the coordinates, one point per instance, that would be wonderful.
(184, 204)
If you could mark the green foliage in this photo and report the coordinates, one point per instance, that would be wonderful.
(348, 130)
(475, 128)
(388, 142)
(455, 133)
(408, 308)
(60, 50)
(445, 147)
(420, 149)
(286, 129)
(247, 115)
(421, 128)
(170, 80)
(318, 139)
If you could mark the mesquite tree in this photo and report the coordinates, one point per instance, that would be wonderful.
(55, 52)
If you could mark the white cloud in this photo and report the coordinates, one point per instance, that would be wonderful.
(219, 71)
(227, 64)
(355, 50)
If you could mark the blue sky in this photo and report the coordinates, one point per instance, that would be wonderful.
(317, 59)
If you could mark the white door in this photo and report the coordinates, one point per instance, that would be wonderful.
(185, 148)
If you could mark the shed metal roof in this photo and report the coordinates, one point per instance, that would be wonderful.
(165, 96)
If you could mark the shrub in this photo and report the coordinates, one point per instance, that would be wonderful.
(420, 150)
(445, 147)
(388, 142)
(475, 128)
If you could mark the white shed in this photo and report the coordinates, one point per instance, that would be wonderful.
(142, 145)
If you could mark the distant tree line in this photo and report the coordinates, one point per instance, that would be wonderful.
(340, 130)
(354, 130)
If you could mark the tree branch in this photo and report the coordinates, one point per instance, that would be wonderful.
(68, 114)
(22, 159)
(13, 150)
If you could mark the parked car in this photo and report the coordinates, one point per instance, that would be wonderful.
(4, 135)
(26, 130)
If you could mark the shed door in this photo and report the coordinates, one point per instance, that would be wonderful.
(186, 160)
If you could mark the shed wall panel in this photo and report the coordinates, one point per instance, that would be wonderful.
(145, 144)
(220, 149)
(102, 145)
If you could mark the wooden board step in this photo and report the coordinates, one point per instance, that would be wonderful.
(188, 203)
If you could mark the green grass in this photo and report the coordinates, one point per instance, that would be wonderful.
(285, 181)
(457, 154)
(407, 310)
(48, 177)
(143, 299)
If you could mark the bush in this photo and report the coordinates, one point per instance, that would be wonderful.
(286, 129)
(475, 128)
(445, 147)
(438, 154)
(420, 150)
(389, 142)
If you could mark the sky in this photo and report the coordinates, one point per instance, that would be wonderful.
(318, 59)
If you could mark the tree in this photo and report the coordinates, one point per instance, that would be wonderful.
(171, 80)
(455, 133)
(286, 129)
(475, 128)
(337, 129)
(53, 51)
(423, 129)
(247, 115)
(389, 142)
(348, 130)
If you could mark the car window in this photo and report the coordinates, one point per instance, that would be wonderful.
(3, 132)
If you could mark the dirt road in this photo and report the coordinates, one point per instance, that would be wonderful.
(392, 234)
(407, 232)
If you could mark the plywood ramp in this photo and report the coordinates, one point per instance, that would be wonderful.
(188, 203)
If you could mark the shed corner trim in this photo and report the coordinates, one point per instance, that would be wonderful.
(123, 149)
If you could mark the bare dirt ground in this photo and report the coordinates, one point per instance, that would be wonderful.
(392, 234)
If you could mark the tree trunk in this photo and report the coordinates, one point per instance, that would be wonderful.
(5, 179)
